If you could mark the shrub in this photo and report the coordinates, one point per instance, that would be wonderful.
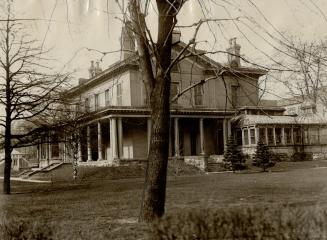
(302, 156)
(27, 230)
(262, 158)
(279, 222)
(233, 157)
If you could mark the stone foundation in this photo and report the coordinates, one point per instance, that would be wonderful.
(200, 162)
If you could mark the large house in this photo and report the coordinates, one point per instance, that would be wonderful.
(118, 126)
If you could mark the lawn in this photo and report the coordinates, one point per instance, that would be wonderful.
(110, 208)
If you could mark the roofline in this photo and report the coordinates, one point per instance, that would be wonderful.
(275, 108)
(132, 61)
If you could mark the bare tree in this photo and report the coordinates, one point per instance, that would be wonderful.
(157, 83)
(308, 81)
(28, 85)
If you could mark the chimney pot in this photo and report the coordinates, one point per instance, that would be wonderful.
(234, 51)
(127, 40)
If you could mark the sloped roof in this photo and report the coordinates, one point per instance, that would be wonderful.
(249, 120)
(207, 62)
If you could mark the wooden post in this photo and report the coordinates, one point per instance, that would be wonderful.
(113, 137)
(100, 157)
(149, 129)
(177, 152)
(201, 137)
(120, 137)
(89, 150)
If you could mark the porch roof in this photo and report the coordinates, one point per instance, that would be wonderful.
(247, 120)
(305, 119)
(143, 111)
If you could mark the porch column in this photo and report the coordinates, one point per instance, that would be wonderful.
(149, 129)
(201, 137)
(243, 142)
(256, 135)
(266, 135)
(283, 136)
(100, 157)
(120, 137)
(49, 147)
(38, 152)
(292, 136)
(177, 153)
(225, 133)
(113, 138)
(229, 128)
(79, 147)
(88, 139)
(274, 135)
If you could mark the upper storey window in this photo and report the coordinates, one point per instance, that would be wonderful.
(174, 90)
(119, 95)
(198, 95)
(96, 102)
(87, 104)
(107, 97)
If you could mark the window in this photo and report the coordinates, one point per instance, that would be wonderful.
(234, 94)
(107, 97)
(297, 135)
(87, 104)
(323, 135)
(252, 135)
(278, 133)
(96, 102)
(174, 90)
(270, 136)
(314, 135)
(175, 67)
(246, 137)
(119, 95)
(238, 136)
(305, 136)
(287, 135)
(77, 109)
(198, 95)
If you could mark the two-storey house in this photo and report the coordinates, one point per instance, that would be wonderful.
(118, 125)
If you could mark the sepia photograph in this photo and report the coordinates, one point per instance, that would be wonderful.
(163, 119)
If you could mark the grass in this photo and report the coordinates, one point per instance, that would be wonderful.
(108, 209)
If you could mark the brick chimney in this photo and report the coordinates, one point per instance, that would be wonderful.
(127, 41)
(97, 68)
(176, 35)
(92, 70)
(234, 51)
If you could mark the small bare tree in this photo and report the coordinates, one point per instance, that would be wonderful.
(28, 86)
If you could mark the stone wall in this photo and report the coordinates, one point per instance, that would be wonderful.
(200, 162)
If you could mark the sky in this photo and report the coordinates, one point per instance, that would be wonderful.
(96, 24)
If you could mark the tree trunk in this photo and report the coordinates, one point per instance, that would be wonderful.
(158, 91)
(153, 205)
(8, 160)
